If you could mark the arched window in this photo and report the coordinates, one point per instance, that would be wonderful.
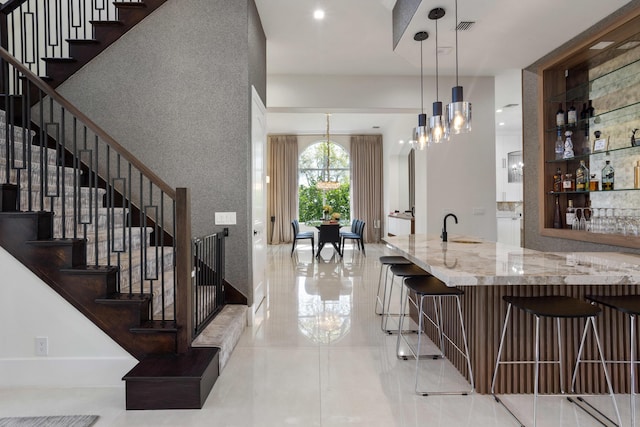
(314, 166)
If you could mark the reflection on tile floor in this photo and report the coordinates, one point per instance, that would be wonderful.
(316, 357)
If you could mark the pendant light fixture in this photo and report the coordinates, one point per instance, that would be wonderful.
(438, 129)
(325, 183)
(421, 137)
(458, 111)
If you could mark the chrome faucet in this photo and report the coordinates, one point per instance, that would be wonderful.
(444, 226)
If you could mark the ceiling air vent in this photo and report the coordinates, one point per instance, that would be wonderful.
(465, 25)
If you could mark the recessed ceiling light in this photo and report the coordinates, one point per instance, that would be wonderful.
(601, 45)
(501, 124)
(401, 142)
(318, 14)
(499, 110)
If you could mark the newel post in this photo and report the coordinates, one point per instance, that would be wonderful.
(183, 301)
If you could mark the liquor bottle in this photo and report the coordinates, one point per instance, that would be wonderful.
(568, 184)
(557, 219)
(584, 119)
(557, 181)
(559, 149)
(607, 176)
(560, 116)
(570, 215)
(572, 116)
(582, 177)
(590, 110)
(593, 183)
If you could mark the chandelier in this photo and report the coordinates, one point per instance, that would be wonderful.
(325, 183)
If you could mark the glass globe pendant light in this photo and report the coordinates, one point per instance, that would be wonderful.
(438, 129)
(458, 111)
(421, 134)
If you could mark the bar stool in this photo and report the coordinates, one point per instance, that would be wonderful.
(385, 264)
(629, 305)
(556, 307)
(404, 271)
(423, 287)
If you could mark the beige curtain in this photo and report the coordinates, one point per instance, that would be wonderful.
(282, 193)
(366, 178)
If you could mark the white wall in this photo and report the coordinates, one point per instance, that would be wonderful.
(80, 354)
(457, 177)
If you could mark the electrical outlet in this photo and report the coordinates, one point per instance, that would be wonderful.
(42, 346)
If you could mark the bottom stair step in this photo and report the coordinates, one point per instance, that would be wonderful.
(179, 381)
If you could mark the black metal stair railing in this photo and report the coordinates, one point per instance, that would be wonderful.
(37, 29)
(208, 279)
(62, 162)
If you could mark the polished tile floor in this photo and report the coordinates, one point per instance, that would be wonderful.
(315, 357)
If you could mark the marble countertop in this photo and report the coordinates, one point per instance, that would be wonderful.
(469, 261)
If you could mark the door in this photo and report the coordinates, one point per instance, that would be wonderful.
(258, 203)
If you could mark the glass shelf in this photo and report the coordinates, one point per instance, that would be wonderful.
(554, 193)
(594, 153)
(571, 159)
(577, 93)
(633, 111)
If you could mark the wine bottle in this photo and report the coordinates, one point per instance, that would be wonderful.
(572, 116)
(582, 177)
(570, 215)
(557, 219)
(590, 110)
(608, 176)
(560, 116)
(559, 148)
(584, 119)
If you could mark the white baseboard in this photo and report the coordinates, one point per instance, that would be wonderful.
(64, 372)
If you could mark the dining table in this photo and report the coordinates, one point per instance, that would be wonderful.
(328, 232)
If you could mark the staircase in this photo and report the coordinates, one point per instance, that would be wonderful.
(93, 222)
(66, 44)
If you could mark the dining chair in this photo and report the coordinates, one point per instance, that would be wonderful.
(297, 235)
(357, 236)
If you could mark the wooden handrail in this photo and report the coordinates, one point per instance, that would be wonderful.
(11, 5)
(40, 84)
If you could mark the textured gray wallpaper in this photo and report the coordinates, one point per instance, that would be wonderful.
(175, 92)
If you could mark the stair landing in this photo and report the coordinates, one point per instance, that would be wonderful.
(224, 331)
(181, 381)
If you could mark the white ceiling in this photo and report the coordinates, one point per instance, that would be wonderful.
(355, 38)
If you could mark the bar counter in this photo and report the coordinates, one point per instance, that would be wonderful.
(487, 271)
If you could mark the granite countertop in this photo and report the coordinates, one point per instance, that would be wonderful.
(469, 261)
(401, 215)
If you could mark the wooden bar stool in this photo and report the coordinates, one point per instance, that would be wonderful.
(385, 264)
(629, 305)
(556, 307)
(404, 271)
(423, 287)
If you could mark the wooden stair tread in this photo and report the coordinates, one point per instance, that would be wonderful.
(90, 269)
(187, 365)
(156, 326)
(107, 23)
(66, 60)
(83, 41)
(129, 5)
